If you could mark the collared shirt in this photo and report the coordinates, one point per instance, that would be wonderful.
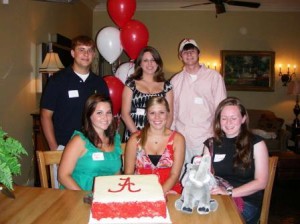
(65, 94)
(195, 102)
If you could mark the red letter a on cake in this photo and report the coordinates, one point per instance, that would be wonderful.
(126, 183)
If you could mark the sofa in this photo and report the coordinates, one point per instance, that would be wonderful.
(266, 124)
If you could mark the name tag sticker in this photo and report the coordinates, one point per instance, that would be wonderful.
(140, 111)
(98, 156)
(73, 93)
(60, 148)
(198, 100)
(219, 157)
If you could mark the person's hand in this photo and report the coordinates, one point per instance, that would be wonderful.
(218, 190)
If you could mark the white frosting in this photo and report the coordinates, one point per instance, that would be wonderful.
(132, 188)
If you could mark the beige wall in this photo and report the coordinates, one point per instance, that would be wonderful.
(265, 31)
(23, 25)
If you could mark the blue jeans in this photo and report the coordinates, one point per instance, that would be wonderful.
(251, 213)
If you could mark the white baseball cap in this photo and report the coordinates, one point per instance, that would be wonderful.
(187, 41)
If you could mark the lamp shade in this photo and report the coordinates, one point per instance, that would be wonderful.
(51, 63)
(294, 88)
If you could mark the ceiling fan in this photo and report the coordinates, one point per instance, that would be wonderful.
(220, 7)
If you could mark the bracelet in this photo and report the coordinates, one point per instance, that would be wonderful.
(229, 192)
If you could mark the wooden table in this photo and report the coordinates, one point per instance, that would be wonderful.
(48, 206)
(44, 205)
(226, 213)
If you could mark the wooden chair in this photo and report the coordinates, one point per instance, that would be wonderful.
(264, 215)
(44, 159)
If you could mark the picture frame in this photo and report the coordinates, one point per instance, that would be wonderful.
(248, 70)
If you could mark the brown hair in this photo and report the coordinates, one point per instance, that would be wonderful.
(155, 100)
(138, 71)
(88, 129)
(242, 156)
(83, 40)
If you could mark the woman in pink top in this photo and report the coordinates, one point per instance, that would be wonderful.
(156, 149)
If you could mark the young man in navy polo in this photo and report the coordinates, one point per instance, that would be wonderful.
(65, 94)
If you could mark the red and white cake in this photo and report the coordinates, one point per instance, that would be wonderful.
(128, 199)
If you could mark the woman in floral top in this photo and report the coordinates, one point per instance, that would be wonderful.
(156, 149)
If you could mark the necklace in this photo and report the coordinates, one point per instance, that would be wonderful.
(156, 138)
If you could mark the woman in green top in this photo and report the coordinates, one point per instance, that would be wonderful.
(96, 151)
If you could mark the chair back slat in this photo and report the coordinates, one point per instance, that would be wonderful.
(47, 159)
(264, 215)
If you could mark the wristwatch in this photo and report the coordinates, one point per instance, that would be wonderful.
(229, 192)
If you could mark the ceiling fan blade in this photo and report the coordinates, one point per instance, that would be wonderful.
(187, 6)
(243, 4)
(220, 8)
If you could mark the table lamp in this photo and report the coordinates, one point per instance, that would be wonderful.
(294, 89)
(51, 62)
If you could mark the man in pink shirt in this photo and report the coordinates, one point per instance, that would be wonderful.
(197, 92)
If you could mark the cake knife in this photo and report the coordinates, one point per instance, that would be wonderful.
(7, 192)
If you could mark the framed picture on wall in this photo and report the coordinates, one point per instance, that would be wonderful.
(248, 70)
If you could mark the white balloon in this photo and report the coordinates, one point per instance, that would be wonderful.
(109, 44)
(125, 70)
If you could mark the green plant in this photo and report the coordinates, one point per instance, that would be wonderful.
(10, 153)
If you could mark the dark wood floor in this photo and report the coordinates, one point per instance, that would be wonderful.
(285, 203)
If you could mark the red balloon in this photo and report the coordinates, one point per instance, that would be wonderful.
(134, 36)
(115, 86)
(121, 11)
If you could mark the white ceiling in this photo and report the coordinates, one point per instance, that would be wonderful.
(266, 5)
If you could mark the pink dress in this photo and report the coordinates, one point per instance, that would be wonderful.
(163, 168)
